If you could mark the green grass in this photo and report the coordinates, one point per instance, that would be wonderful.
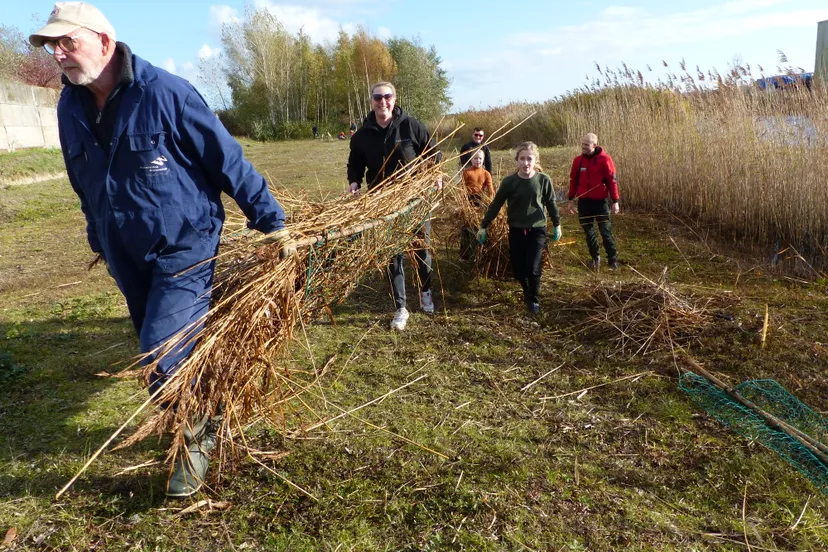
(27, 163)
(632, 465)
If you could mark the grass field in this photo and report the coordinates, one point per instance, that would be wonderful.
(30, 162)
(631, 465)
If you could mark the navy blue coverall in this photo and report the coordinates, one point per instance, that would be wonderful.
(151, 198)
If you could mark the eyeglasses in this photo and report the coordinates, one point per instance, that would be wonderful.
(65, 43)
(476, 135)
(380, 97)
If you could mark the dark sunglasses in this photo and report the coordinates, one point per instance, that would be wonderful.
(478, 135)
(378, 97)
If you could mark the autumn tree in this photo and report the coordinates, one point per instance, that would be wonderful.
(282, 83)
(422, 84)
(20, 61)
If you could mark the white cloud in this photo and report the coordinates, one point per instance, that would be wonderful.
(384, 33)
(189, 71)
(610, 32)
(621, 12)
(219, 15)
(309, 20)
(169, 65)
(206, 51)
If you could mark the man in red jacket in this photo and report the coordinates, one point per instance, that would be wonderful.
(591, 181)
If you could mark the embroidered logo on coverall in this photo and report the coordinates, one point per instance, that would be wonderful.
(158, 165)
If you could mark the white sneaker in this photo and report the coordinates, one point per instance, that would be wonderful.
(426, 302)
(400, 318)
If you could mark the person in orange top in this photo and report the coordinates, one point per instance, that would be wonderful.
(478, 182)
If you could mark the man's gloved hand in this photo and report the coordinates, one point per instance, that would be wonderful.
(287, 246)
(556, 233)
(481, 236)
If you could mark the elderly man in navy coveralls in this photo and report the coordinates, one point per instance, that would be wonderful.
(149, 161)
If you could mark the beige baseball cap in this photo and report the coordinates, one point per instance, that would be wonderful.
(69, 16)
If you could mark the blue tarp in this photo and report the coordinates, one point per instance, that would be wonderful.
(783, 81)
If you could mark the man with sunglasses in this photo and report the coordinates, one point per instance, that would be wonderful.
(469, 148)
(149, 161)
(389, 139)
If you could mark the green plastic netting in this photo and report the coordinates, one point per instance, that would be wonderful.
(775, 400)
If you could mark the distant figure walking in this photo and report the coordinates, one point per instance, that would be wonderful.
(592, 181)
(315, 130)
(478, 183)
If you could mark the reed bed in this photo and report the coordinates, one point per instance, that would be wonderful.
(717, 150)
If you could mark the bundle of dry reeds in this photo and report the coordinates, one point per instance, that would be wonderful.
(258, 300)
(492, 258)
(646, 315)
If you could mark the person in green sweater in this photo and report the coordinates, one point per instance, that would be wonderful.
(526, 193)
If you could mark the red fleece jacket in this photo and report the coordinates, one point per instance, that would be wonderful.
(593, 177)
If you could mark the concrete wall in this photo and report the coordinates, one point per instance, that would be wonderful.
(28, 116)
(821, 68)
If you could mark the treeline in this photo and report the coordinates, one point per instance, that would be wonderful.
(281, 84)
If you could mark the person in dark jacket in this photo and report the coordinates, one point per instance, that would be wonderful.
(475, 144)
(149, 161)
(390, 139)
(526, 193)
(592, 181)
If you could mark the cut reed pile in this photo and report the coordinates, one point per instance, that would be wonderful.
(645, 316)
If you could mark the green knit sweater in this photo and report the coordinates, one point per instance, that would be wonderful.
(526, 198)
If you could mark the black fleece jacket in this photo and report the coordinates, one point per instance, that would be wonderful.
(401, 142)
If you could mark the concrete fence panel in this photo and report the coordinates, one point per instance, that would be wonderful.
(28, 116)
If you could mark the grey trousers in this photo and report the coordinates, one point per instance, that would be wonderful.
(396, 273)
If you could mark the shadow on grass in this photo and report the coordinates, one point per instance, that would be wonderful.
(58, 405)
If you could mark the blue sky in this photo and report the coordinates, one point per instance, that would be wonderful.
(494, 51)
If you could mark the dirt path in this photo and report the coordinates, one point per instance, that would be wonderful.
(32, 179)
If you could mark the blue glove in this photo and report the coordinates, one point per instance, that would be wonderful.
(481, 236)
(556, 233)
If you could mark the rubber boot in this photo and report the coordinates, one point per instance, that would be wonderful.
(191, 464)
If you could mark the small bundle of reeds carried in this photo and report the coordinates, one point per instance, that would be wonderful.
(490, 259)
(645, 315)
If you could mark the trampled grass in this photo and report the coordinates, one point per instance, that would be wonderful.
(632, 465)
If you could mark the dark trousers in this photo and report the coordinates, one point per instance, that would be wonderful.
(525, 251)
(396, 273)
(162, 304)
(590, 212)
